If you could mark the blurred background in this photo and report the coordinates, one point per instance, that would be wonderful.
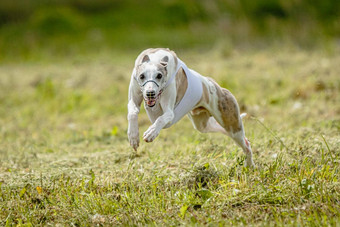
(44, 29)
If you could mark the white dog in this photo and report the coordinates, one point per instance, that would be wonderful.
(170, 90)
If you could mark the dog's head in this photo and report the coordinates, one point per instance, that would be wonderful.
(152, 77)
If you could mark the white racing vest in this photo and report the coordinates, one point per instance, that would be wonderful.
(192, 95)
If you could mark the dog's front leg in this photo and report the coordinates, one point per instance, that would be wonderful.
(156, 127)
(133, 131)
(167, 103)
(135, 100)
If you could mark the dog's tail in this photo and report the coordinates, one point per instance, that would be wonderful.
(243, 115)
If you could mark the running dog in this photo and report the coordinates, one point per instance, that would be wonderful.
(171, 90)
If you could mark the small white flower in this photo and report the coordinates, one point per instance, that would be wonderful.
(236, 191)
(297, 105)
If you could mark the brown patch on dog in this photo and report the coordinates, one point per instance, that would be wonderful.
(181, 85)
(201, 110)
(200, 117)
(145, 58)
(229, 109)
(198, 110)
(205, 94)
(205, 99)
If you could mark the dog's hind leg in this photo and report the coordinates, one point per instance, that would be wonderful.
(228, 116)
(204, 122)
(243, 142)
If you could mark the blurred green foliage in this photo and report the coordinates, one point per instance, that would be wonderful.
(32, 28)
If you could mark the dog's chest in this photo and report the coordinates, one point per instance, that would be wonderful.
(154, 112)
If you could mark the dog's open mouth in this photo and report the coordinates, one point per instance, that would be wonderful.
(150, 102)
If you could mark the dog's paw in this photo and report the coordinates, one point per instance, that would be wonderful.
(150, 134)
(134, 143)
(249, 164)
(134, 140)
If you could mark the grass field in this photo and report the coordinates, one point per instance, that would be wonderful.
(65, 158)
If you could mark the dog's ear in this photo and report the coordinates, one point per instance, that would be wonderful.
(164, 61)
(145, 58)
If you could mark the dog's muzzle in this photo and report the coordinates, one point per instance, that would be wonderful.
(150, 94)
(151, 97)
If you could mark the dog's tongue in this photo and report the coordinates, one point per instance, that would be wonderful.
(151, 102)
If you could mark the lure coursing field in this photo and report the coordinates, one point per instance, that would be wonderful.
(65, 158)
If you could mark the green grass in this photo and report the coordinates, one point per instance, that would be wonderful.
(65, 158)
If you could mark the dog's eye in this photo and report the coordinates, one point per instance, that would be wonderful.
(141, 76)
(159, 76)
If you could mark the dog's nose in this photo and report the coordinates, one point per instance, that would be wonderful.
(150, 94)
